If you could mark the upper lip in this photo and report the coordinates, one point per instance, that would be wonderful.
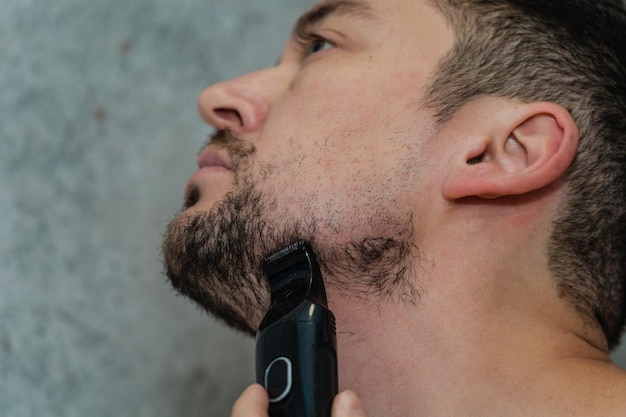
(211, 156)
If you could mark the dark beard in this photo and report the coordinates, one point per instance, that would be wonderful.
(216, 257)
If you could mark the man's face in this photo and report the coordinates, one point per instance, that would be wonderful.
(332, 145)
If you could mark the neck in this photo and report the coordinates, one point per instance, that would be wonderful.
(453, 354)
(489, 334)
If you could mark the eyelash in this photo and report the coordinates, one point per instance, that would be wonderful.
(307, 39)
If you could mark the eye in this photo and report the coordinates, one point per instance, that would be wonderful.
(312, 43)
(319, 44)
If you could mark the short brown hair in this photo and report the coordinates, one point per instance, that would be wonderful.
(572, 53)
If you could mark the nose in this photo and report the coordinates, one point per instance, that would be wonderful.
(242, 104)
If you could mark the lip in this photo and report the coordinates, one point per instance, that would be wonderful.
(213, 158)
(211, 161)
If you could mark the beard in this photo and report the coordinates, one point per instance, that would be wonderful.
(215, 257)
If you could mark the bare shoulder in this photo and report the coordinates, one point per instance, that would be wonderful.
(595, 389)
(610, 391)
(620, 381)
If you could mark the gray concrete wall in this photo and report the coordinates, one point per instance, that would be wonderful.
(98, 135)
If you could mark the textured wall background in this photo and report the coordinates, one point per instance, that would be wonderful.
(98, 135)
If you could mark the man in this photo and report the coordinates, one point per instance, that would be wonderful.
(459, 168)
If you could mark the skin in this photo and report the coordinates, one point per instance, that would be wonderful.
(340, 136)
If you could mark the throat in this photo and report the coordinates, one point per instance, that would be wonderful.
(409, 360)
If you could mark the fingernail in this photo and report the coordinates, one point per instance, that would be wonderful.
(350, 402)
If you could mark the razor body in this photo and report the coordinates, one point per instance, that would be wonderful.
(296, 348)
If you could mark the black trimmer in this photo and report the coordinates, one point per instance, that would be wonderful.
(296, 347)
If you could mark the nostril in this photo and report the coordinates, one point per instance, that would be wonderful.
(229, 115)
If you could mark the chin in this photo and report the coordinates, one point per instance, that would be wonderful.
(213, 253)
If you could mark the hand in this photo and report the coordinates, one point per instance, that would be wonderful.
(255, 403)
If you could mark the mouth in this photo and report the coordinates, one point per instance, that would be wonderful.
(211, 157)
(212, 163)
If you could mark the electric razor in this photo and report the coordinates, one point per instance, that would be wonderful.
(296, 347)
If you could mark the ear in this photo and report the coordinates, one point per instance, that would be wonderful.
(522, 148)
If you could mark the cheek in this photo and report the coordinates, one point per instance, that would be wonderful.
(327, 95)
(346, 193)
(332, 150)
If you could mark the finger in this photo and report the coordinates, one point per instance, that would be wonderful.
(347, 404)
(253, 402)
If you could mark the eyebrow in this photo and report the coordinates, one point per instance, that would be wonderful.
(313, 17)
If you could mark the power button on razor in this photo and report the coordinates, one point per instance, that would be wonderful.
(278, 379)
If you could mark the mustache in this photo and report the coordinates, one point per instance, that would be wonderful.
(238, 149)
(223, 137)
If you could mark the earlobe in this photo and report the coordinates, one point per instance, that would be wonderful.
(525, 148)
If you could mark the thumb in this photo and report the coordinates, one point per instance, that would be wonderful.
(253, 402)
(347, 404)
